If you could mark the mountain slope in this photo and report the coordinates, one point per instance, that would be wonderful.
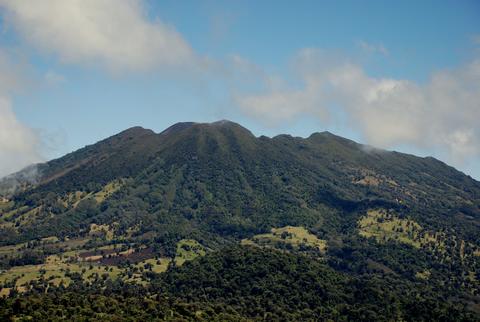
(197, 187)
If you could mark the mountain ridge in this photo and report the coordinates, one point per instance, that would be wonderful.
(156, 201)
(24, 176)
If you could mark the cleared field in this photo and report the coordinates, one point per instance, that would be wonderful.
(188, 249)
(108, 190)
(384, 226)
(155, 265)
(74, 198)
(11, 249)
(55, 271)
(51, 239)
(294, 237)
(4, 292)
(10, 214)
(28, 217)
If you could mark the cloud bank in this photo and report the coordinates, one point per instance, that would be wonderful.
(111, 33)
(440, 116)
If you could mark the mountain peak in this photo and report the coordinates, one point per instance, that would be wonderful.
(177, 127)
(221, 124)
(135, 131)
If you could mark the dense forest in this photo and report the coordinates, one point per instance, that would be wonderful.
(241, 283)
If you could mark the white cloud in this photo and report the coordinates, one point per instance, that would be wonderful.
(440, 117)
(18, 143)
(113, 33)
(372, 48)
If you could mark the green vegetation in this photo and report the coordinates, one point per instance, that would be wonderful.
(296, 238)
(158, 266)
(187, 250)
(240, 284)
(122, 217)
(54, 271)
(103, 231)
(384, 226)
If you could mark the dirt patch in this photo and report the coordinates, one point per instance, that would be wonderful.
(132, 257)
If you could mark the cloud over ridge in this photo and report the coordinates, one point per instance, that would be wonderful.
(440, 116)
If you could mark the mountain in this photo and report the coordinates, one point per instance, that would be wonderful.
(152, 210)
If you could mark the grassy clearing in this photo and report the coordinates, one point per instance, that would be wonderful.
(73, 243)
(4, 292)
(108, 190)
(187, 250)
(11, 249)
(55, 268)
(55, 271)
(74, 198)
(105, 252)
(51, 239)
(295, 237)
(8, 215)
(70, 248)
(384, 226)
(155, 265)
(368, 177)
(28, 217)
(368, 181)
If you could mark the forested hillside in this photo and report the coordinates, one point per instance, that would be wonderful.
(207, 221)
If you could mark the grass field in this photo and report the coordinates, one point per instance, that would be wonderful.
(296, 237)
(156, 265)
(74, 198)
(55, 271)
(188, 249)
(108, 190)
(56, 268)
(11, 249)
(384, 226)
(6, 215)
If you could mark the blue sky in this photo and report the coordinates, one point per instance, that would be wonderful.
(401, 75)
